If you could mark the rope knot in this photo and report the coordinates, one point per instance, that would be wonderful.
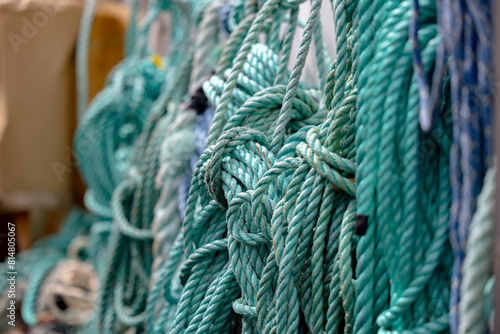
(326, 163)
(240, 227)
(227, 143)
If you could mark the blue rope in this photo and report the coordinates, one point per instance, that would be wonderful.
(466, 32)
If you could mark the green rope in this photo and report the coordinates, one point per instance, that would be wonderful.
(132, 277)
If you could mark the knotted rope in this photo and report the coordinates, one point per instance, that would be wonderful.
(232, 170)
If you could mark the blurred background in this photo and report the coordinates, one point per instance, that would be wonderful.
(38, 177)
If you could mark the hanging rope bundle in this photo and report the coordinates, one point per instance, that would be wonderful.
(153, 180)
(111, 125)
(174, 179)
(33, 266)
(403, 185)
(467, 39)
(240, 158)
(473, 313)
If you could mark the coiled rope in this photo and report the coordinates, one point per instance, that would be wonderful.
(403, 185)
(122, 304)
(211, 277)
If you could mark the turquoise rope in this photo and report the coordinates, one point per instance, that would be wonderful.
(130, 256)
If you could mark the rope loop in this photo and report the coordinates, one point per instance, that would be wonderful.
(241, 226)
(120, 196)
(200, 255)
(242, 309)
(228, 142)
